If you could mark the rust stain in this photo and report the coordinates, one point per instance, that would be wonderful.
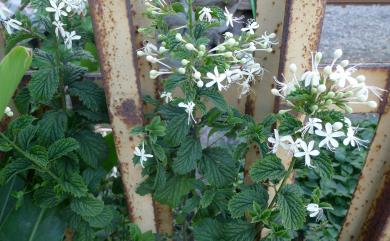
(129, 112)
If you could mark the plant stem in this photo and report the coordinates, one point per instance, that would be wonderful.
(59, 74)
(26, 155)
(190, 15)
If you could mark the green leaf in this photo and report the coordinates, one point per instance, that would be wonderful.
(155, 128)
(93, 149)
(5, 146)
(75, 185)
(188, 153)
(62, 147)
(101, 220)
(173, 81)
(38, 154)
(87, 206)
(207, 198)
(45, 197)
(178, 7)
(161, 176)
(44, 84)
(12, 68)
(52, 127)
(178, 129)
(291, 205)
(240, 231)
(323, 165)
(268, 168)
(174, 190)
(209, 230)
(288, 124)
(218, 166)
(217, 99)
(13, 168)
(91, 95)
(112, 158)
(33, 224)
(25, 137)
(243, 201)
(159, 153)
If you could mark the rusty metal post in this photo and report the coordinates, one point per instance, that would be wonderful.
(366, 218)
(298, 25)
(114, 34)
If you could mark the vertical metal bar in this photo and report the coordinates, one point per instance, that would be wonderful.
(376, 166)
(114, 34)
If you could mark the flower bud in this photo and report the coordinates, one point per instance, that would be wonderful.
(272, 35)
(200, 83)
(293, 68)
(140, 53)
(230, 42)
(321, 88)
(349, 94)
(328, 70)
(314, 90)
(179, 37)
(201, 53)
(8, 112)
(361, 78)
(331, 94)
(348, 109)
(185, 62)
(318, 57)
(340, 95)
(151, 59)
(163, 43)
(328, 102)
(162, 50)
(228, 54)
(269, 50)
(372, 104)
(275, 92)
(337, 53)
(190, 46)
(344, 63)
(181, 70)
(314, 107)
(202, 47)
(221, 48)
(337, 126)
(153, 74)
(197, 75)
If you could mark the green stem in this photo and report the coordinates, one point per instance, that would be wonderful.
(26, 155)
(190, 15)
(59, 74)
(36, 225)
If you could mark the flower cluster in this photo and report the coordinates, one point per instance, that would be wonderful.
(8, 112)
(64, 8)
(9, 23)
(335, 86)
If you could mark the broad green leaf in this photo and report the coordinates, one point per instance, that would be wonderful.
(75, 185)
(178, 129)
(112, 158)
(189, 152)
(25, 136)
(62, 147)
(323, 166)
(87, 206)
(161, 176)
(268, 168)
(217, 99)
(12, 68)
(288, 124)
(240, 231)
(33, 224)
(218, 166)
(7, 200)
(291, 206)
(45, 197)
(174, 190)
(13, 168)
(243, 201)
(207, 198)
(209, 230)
(39, 156)
(43, 84)
(102, 219)
(91, 95)
(52, 127)
(93, 148)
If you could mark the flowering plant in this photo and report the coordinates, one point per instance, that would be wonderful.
(188, 166)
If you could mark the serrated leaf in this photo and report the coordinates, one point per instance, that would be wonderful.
(87, 206)
(240, 231)
(243, 202)
(91, 95)
(62, 147)
(39, 156)
(188, 153)
(13, 168)
(178, 129)
(323, 165)
(5, 146)
(52, 127)
(217, 99)
(43, 84)
(102, 219)
(22, 100)
(174, 190)
(93, 149)
(75, 185)
(173, 81)
(207, 198)
(288, 124)
(218, 166)
(25, 136)
(291, 206)
(268, 168)
(45, 197)
(209, 230)
(161, 176)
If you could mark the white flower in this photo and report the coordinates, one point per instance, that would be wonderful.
(307, 151)
(284, 88)
(142, 155)
(277, 141)
(265, 41)
(59, 28)
(312, 77)
(5, 13)
(314, 210)
(11, 25)
(310, 125)
(352, 139)
(70, 37)
(8, 112)
(167, 96)
(189, 108)
(233, 75)
(251, 26)
(205, 13)
(291, 146)
(330, 136)
(228, 35)
(57, 9)
(216, 78)
(341, 76)
(114, 172)
(230, 19)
